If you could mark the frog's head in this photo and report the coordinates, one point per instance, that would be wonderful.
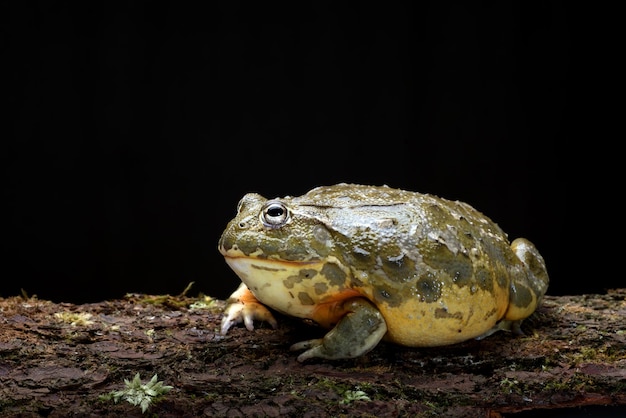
(277, 230)
(283, 252)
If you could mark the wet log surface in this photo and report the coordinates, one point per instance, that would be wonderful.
(67, 360)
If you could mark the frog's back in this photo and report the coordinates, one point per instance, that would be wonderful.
(439, 271)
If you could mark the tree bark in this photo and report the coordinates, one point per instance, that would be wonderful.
(60, 359)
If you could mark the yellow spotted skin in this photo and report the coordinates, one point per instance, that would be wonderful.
(372, 263)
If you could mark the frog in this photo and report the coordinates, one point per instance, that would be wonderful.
(372, 263)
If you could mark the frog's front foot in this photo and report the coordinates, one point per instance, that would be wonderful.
(355, 334)
(246, 313)
(244, 307)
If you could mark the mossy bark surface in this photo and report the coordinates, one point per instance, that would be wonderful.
(59, 359)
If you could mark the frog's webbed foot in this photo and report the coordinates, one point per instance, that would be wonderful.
(244, 307)
(355, 334)
(504, 325)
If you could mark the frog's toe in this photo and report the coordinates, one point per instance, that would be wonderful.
(246, 313)
(304, 345)
(504, 325)
(314, 348)
(327, 349)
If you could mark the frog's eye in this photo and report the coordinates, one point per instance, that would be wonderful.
(274, 214)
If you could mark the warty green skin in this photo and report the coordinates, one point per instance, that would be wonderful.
(397, 245)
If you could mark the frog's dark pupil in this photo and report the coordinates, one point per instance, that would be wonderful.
(275, 211)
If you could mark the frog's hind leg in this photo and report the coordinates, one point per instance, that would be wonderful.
(538, 279)
(355, 334)
(528, 284)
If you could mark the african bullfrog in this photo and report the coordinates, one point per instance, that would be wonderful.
(374, 262)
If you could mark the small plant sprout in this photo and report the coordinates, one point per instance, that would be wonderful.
(138, 394)
(75, 319)
(205, 302)
(354, 395)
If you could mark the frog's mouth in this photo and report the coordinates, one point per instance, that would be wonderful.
(287, 286)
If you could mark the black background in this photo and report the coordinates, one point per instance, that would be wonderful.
(134, 129)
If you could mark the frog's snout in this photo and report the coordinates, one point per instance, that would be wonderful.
(226, 245)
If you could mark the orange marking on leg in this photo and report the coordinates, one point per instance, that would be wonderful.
(332, 309)
(248, 297)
